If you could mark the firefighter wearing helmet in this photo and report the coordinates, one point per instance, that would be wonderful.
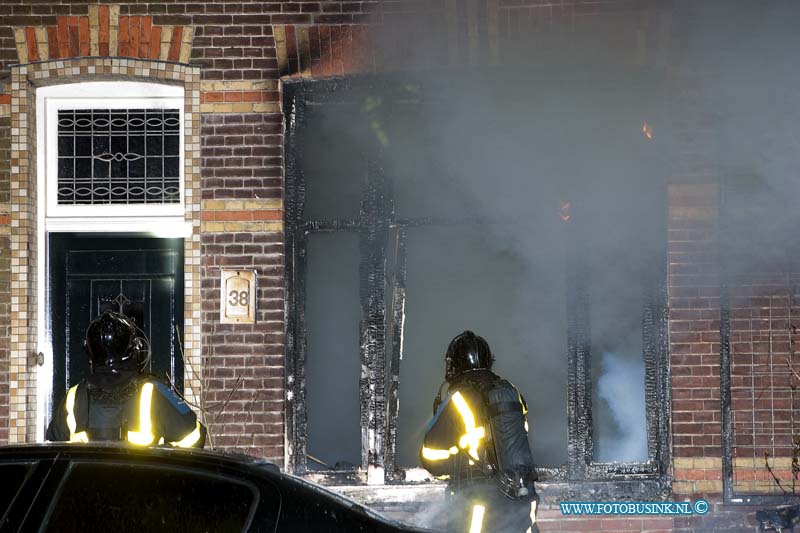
(478, 437)
(118, 402)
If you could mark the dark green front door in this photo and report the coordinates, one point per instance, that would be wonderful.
(141, 277)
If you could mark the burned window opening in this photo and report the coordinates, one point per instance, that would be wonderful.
(333, 311)
(381, 333)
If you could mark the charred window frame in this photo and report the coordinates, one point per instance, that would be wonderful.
(581, 465)
(380, 233)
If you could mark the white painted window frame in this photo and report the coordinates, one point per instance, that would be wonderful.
(166, 220)
(102, 95)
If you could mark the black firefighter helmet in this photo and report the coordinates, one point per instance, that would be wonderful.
(466, 352)
(113, 341)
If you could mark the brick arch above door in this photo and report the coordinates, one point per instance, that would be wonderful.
(104, 33)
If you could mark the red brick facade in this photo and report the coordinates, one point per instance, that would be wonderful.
(243, 49)
(694, 328)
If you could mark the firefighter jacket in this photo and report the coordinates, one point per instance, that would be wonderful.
(467, 440)
(135, 408)
(478, 437)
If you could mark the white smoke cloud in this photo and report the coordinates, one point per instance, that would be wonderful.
(621, 386)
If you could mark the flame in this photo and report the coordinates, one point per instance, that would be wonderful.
(564, 213)
(647, 129)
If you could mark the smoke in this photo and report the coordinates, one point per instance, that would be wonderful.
(563, 125)
(437, 515)
(620, 387)
(745, 95)
(561, 120)
(502, 516)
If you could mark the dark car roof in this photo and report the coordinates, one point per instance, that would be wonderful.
(111, 451)
(186, 457)
(47, 448)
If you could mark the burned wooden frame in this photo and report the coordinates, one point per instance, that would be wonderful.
(382, 323)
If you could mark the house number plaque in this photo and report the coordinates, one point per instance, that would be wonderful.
(238, 297)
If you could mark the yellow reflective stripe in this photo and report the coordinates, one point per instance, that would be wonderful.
(72, 424)
(524, 409)
(144, 436)
(432, 454)
(473, 436)
(470, 438)
(189, 440)
(476, 524)
(533, 517)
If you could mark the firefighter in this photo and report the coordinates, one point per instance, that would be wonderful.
(118, 402)
(478, 439)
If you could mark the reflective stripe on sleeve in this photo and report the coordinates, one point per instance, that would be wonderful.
(533, 517)
(144, 436)
(72, 424)
(189, 440)
(432, 454)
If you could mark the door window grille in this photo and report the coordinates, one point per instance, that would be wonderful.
(118, 156)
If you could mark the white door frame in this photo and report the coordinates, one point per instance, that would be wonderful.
(169, 222)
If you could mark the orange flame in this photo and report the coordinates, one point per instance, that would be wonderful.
(564, 213)
(647, 129)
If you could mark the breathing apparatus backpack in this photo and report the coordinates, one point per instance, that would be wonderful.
(508, 451)
(507, 458)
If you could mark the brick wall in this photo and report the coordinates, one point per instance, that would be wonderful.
(242, 155)
(763, 330)
(693, 272)
(763, 272)
(693, 283)
(237, 40)
(244, 364)
(553, 520)
(720, 517)
(760, 289)
(242, 220)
